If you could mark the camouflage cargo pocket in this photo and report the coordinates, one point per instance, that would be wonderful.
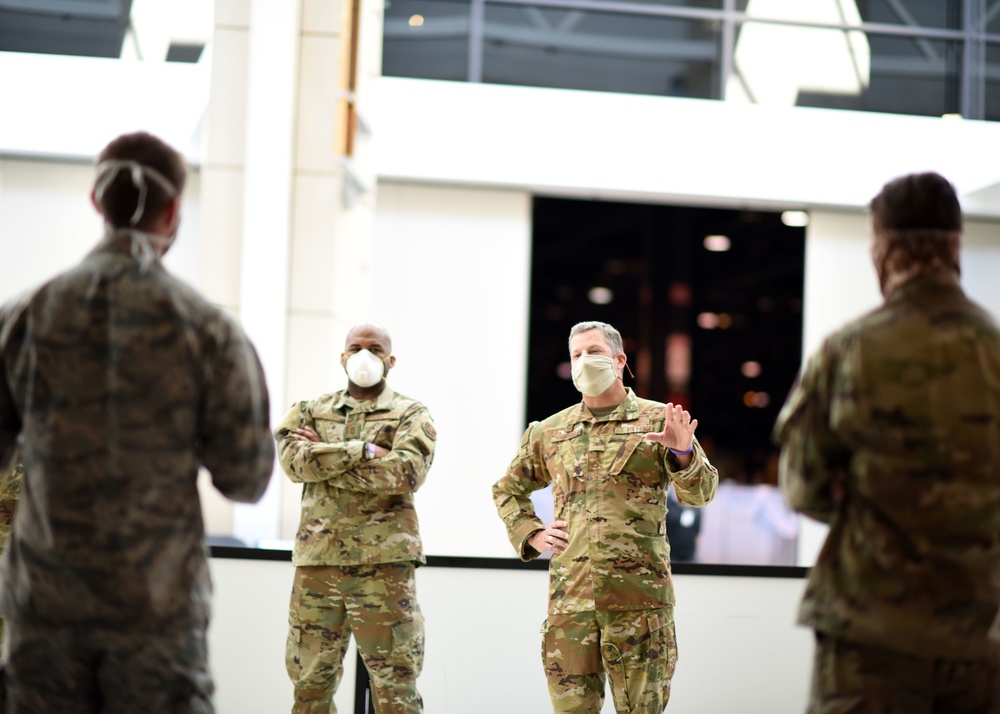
(293, 646)
(408, 647)
(544, 631)
(403, 633)
(662, 654)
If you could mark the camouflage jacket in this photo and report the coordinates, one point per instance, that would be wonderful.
(610, 485)
(357, 511)
(10, 491)
(119, 385)
(892, 435)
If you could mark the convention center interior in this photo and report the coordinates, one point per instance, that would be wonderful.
(478, 176)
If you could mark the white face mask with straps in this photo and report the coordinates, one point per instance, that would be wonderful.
(365, 369)
(144, 245)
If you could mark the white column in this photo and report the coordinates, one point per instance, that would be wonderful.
(332, 263)
(272, 69)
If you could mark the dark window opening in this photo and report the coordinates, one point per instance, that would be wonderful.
(708, 301)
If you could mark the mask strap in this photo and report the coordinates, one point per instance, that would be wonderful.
(629, 371)
(142, 245)
(107, 171)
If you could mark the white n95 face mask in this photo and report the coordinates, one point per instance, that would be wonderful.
(593, 374)
(364, 369)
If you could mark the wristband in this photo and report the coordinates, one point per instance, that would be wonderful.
(675, 452)
(369, 450)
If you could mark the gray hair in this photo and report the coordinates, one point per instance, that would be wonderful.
(612, 336)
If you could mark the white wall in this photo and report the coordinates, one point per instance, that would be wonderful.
(451, 284)
(740, 651)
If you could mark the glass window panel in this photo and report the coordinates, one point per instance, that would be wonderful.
(937, 14)
(787, 65)
(993, 17)
(844, 69)
(697, 4)
(426, 39)
(577, 49)
(992, 111)
(148, 30)
(914, 76)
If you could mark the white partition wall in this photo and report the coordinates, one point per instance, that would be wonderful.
(740, 652)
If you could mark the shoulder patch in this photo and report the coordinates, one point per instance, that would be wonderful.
(429, 430)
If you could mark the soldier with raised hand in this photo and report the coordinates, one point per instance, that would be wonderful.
(120, 382)
(361, 453)
(892, 436)
(609, 460)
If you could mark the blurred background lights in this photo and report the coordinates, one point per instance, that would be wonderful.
(600, 296)
(756, 400)
(416, 21)
(717, 244)
(795, 219)
(751, 369)
(708, 320)
(712, 320)
(565, 370)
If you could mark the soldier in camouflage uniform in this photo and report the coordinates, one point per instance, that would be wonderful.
(892, 436)
(120, 382)
(609, 460)
(361, 453)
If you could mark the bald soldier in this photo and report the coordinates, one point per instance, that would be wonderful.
(892, 436)
(609, 459)
(361, 453)
(120, 382)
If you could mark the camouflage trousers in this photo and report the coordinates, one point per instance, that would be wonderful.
(90, 671)
(852, 678)
(635, 649)
(375, 603)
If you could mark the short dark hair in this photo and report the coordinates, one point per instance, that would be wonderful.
(120, 199)
(917, 202)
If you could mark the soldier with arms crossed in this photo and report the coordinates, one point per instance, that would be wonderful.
(361, 453)
(609, 460)
(891, 436)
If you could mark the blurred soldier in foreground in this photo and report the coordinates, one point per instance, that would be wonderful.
(122, 382)
(362, 452)
(610, 460)
(892, 436)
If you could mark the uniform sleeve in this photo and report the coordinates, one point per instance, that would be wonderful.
(812, 457)
(404, 469)
(308, 461)
(10, 491)
(695, 485)
(237, 447)
(526, 473)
